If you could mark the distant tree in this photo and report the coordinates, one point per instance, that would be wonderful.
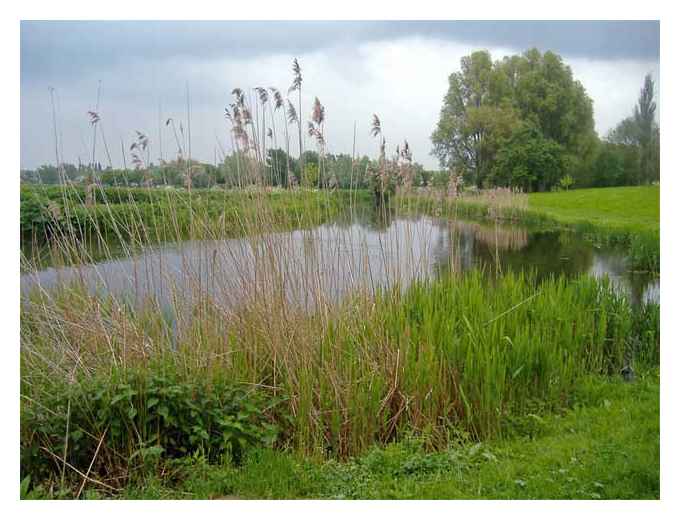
(547, 95)
(310, 178)
(641, 131)
(276, 161)
(566, 182)
(460, 138)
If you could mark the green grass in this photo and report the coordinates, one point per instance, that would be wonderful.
(450, 388)
(634, 208)
(605, 447)
(58, 227)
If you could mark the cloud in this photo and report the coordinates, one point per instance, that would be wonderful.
(398, 70)
(50, 49)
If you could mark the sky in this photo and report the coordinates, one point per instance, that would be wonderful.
(398, 70)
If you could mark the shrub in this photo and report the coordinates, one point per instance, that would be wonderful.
(141, 417)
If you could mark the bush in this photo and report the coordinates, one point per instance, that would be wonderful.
(141, 417)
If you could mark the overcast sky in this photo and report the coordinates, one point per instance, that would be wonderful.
(398, 70)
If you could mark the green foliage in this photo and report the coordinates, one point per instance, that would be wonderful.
(153, 215)
(605, 447)
(529, 161)
(641, 133)
(566, 182)
(310, 179)
(492, 104)
(142, 417)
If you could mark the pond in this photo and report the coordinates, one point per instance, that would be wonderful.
(363, 251)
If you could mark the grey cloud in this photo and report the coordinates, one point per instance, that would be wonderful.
(52, 50)
(398, 69)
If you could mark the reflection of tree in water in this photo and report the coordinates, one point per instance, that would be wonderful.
(508, 248)
(496, 236)
(546, 253)
(377, 217)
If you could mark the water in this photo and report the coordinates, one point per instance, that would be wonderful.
(364, 252)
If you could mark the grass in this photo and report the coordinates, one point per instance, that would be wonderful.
(633, 208)
(56, 223)
(114, 391)
(605, 447)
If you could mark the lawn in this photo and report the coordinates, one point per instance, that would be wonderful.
(635, 208)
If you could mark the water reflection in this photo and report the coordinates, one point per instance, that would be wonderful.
(367, 251)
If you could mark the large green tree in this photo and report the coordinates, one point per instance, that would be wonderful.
(488, 102)
(472, 119)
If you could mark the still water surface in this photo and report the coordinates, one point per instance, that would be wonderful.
(362, 252)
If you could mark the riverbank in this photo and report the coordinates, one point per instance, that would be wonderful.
(124, 391)
(625, 216)
(605, 447)
(59, 225)
(462, 381)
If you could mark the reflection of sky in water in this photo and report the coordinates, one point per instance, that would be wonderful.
(639, 287)
(335, 259)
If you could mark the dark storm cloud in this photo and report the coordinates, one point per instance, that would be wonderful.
(61, 49)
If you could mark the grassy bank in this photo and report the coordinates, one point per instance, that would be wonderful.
(58, 226)
(605, 447)
(624, 216)
(631, 208)
(395, 392)
(106, 394)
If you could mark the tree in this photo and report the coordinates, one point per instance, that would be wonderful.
(529, 161)
(276, 163)
(641, 130)
(472, 119)
(488, 102)
(566, 182)
(310, 178)
(548, 96)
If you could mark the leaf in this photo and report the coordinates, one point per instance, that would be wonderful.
(23, 487)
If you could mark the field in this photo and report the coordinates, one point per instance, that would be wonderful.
(460, 387)
(634, 208)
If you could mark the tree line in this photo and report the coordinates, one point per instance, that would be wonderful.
(280, 170)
